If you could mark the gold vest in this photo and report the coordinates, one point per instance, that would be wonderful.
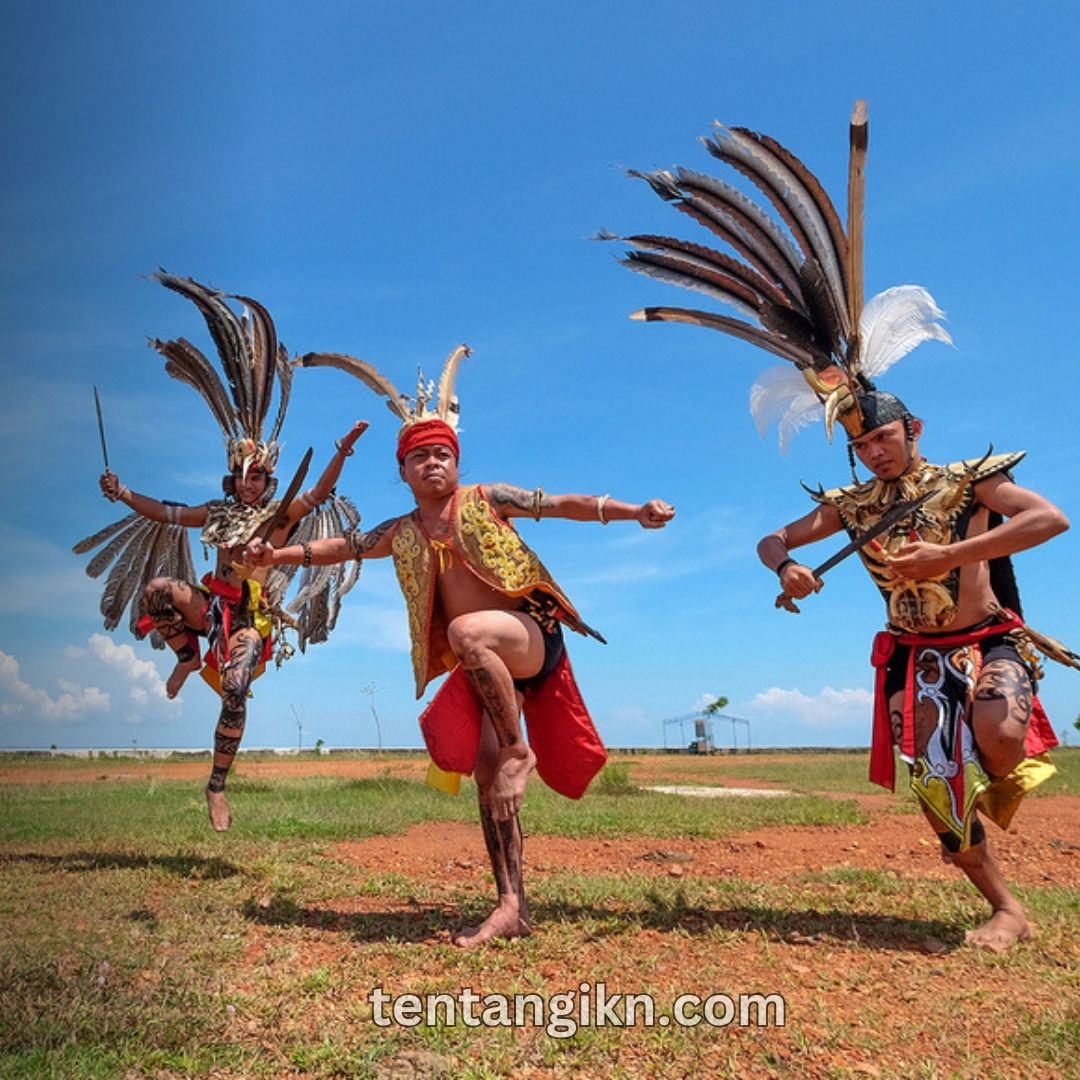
(942, 519)
(489, 546)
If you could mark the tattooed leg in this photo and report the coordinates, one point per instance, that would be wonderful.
(244, 652)
(170, 604)
(479, 641)
(1000, 714)
(504, 843)
(516, 760)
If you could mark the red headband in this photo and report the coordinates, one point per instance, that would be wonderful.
(427, 433)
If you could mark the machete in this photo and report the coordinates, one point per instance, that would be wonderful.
(266, 529)
(888, 519)
(101, 429)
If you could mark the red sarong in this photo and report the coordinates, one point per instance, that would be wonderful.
(568, 748)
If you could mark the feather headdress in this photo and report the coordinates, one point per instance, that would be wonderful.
(797, 277)
(432, 401)
(251, 359)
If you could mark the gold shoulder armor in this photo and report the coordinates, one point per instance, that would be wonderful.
(980, 468)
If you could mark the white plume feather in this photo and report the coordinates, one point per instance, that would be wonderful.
(782, 396)
(893, 323)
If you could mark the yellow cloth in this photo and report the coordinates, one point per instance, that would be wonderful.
(450, 782)
(1001, 799)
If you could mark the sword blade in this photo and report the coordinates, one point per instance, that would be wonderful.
(887, 520)
(264, 531)
(101, 429)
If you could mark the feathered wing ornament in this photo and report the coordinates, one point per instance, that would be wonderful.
(313, 612)
(138, 550)
(796, 277)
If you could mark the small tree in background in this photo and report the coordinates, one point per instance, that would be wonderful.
(714, 707)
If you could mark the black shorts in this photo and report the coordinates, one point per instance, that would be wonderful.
(554, 650)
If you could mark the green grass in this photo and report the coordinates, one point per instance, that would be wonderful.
(323, 808)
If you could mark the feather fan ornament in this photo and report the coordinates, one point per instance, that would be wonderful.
(252, 360)
(138, 550)
(796, 278)
(315, 608)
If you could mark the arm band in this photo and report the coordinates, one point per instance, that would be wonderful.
(784, 565)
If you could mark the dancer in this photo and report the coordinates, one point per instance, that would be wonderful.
(482, 606)
(956, 667)
(237, 611)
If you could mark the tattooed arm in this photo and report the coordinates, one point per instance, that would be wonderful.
(512, 501)
(338, 549)
(115, 491)
(311, 498)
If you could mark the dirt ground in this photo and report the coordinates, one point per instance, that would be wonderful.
(857, 988)
(1041, 848)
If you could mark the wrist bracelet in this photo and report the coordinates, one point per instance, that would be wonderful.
(600, 504)
(341, 449)
(784, 565)
(306, 561)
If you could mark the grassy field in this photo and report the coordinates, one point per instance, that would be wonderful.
(134, 942)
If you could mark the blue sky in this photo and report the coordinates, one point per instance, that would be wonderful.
(392, 179)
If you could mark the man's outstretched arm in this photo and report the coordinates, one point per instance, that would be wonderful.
(154, 509)
(513, 501)
(336, 549)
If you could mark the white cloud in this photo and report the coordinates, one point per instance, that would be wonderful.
(829, 708)
(702, 701)
(146, 681)
(73, 701)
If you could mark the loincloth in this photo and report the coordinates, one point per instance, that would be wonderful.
(945, 773)
(230, 608)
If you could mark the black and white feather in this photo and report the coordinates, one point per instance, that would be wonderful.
(795, 276)
(252, 361)
(315, 607)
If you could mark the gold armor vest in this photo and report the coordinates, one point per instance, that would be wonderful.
(942, 519)
(489, 546)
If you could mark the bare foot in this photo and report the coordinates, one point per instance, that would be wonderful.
(218, 806)
(183, 669)
(508, 783)
(1003, 929)
(504, 922)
